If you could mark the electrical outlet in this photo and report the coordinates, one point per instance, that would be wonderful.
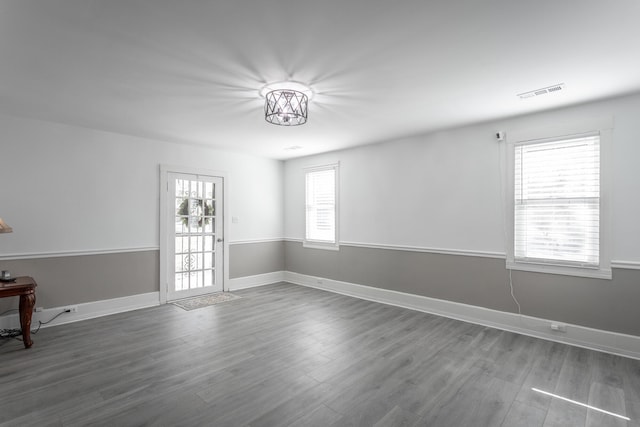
(71, 309)
(559, 327)
(38, 309)
(319, 281)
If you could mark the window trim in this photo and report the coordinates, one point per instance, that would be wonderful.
(603, 126)
(321, 244)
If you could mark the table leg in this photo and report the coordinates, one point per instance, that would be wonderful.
(27, 302)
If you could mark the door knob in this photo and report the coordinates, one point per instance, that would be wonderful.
(219, 240)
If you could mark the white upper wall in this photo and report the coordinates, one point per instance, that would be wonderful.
(443, 190)
(67, 189)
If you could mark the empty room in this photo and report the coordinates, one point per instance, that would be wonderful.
(319, 213)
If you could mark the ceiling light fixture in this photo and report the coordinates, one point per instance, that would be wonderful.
(286, 103)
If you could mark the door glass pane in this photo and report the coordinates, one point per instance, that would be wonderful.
(197, 281)
(208, 260)
(189, 262)
(208, 243)
(180, 227)
(208, 276)
(196, 243)
(209, 225)
(180, 188)
(182, 281)
(208, 190)
(199, 190)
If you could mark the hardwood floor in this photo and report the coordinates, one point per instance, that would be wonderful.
(288, 355)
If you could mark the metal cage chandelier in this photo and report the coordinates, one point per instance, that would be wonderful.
(286, 107)
(286, 103)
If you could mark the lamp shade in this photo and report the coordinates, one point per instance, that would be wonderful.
(4, 228)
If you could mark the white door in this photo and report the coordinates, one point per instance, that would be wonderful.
(195, 248)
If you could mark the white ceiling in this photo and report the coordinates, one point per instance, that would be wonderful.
(190, 71)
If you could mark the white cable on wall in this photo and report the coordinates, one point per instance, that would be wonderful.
(512, 294)
(503, 203)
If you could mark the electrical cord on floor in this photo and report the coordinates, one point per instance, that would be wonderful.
(16, 333)
(9, 333)
(50, 320)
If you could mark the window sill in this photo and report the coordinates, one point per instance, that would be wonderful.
(594, 273)
(320, 245)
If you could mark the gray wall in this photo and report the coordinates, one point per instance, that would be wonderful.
(481, 281)
(79, 279)
(250, 259)
(85, 278)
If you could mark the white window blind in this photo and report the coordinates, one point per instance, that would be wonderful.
(321, 205)
(557, 201)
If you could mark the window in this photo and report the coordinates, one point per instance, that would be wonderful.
(321, 207)
(558, 216)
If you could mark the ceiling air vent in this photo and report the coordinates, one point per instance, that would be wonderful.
(542, 91)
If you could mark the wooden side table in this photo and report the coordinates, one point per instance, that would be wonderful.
(25, 288)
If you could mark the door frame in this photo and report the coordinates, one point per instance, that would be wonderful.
(164, 232)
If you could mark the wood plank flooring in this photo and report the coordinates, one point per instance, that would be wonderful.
(285, 355)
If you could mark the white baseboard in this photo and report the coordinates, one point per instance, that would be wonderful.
(85, 311)
(595, 339)
(257, 280)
